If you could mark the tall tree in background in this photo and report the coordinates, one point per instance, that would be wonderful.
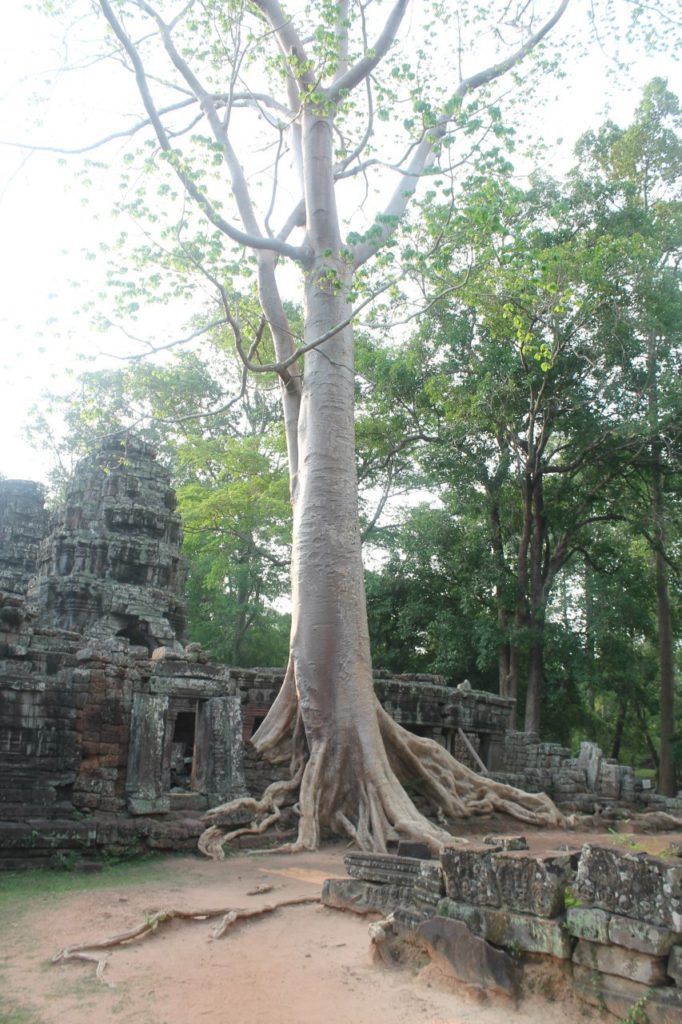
(637, 172)
(547, 405)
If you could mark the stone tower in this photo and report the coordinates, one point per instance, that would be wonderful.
(110, 564)
(23, 522)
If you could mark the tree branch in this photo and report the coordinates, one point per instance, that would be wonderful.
(346, 82)
(288, 41)
(424, 155)
(255, 241)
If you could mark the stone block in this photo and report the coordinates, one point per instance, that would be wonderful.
(168, 653)
(365, 897)
(470, 958)
(675, 965)
(641, 936)
(609, 781)
(619, 996)
(532, 885)
(588, 923)
(590, 759)
(470, 875)
(632, 885)
(141, 805)
(649, 970)
(512, 930)
(385, 868)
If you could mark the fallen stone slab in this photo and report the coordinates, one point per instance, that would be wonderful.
(512, 930)
(641, 936)
(589, 923)
(619, 996)
(386, 868)
(649, 970)
(471, 959)
(634, 885)
(365, 897)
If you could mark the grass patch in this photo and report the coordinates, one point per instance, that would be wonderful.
(12, 1013)
(20, 889)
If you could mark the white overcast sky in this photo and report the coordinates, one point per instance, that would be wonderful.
(44, 225)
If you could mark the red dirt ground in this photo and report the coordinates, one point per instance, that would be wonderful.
(301, 965)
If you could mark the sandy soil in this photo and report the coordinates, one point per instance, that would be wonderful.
(297, 966)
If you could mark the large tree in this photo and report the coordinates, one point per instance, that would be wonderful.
(324, 80)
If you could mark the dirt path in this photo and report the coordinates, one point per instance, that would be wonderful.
(302, 965)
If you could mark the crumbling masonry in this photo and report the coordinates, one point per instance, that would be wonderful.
(113, 731)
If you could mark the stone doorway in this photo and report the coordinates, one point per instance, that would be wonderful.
(184, 753)
(181, 752)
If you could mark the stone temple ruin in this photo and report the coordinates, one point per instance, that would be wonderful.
(114, 731)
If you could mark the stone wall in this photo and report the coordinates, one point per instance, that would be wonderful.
(574, 782)
(104, 712)
(610, 917)
(110, 564)
(23, 524)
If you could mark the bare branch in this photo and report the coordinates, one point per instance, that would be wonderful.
(381, 504)
(489, 74)
(424, 154)
(342, 35)
(154, 349)
(366, 65)
(255, 241)
(282, 367)
(289, 42)
(123, 134)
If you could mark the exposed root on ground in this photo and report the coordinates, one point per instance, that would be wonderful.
(266, 812)
(351, 780)
(152, 923)
(656, 821)
(379, 933)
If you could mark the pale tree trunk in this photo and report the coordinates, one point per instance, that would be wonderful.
(667, 775)
(348, 758)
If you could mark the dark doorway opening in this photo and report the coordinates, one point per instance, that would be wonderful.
(183, 744)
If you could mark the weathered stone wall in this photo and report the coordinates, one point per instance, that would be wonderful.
(39, 744)
(110, 564)
(104, 713)
(621, 936)
(576, 782)
(23, 523)
(424, 704)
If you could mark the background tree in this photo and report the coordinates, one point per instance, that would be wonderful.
(536, 385)
(637, 173)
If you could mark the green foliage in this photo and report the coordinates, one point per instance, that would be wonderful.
(525, 388)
